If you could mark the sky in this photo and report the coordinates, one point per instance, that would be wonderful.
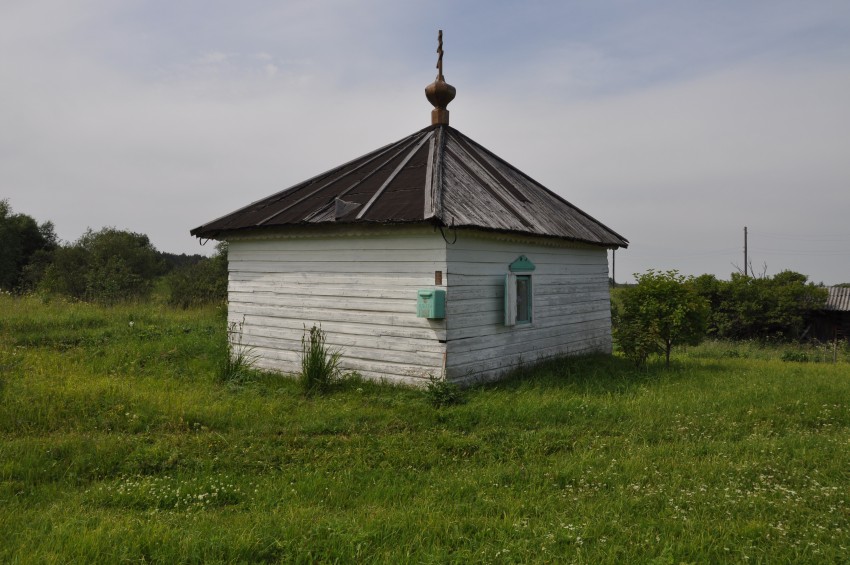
(675, 123)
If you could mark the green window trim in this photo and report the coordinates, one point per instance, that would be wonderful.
(522, 264)
(519, 299)
(510, 299)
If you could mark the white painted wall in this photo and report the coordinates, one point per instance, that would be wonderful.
(360, 287)
(572, 312)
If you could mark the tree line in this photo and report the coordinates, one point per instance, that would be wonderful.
(662, 310)
(665, 309)
(106, 266)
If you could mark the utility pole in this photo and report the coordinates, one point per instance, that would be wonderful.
(745, 251)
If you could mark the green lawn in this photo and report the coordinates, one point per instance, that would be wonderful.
(118, 443)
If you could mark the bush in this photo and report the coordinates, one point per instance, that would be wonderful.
(204, 282)
(795, 356)
(662, 310)
(760, 308)
(67, 273)
(106, 266)
(441, 392)
(319, 363)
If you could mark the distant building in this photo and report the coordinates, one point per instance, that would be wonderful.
(428, 256)
(833, 320)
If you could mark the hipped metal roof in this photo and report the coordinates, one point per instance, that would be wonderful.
(436, 175)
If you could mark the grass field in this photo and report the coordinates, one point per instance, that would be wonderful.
(119, 444)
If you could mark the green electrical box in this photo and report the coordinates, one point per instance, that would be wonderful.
(431, 304)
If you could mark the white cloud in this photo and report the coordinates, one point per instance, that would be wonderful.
(213, 58)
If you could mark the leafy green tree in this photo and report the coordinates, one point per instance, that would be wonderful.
(107, 266)
(34, 271)
(67, 272)
(122, 264)
(21, 239)
(662, 310)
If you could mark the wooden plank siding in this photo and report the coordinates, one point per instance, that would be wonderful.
(571, 304)
(362, 290)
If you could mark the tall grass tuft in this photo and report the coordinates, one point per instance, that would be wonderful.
(440, 392)
(238, 360)
(319, 363)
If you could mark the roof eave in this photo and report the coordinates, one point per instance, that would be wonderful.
(606, 244)
(223, 234)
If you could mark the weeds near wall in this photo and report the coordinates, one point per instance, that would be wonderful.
(441, 392)
(237, 362)
(319, 363)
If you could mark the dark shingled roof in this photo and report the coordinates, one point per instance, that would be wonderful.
(436, 175)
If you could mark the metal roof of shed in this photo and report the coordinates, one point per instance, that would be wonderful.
(838, 299)
(436, 175)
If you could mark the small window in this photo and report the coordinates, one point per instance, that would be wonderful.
(518, 299)
(518, 292)
(523, 299)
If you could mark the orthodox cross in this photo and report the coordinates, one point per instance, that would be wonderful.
(440, 57)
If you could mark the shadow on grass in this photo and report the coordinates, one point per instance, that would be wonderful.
(596, 374)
